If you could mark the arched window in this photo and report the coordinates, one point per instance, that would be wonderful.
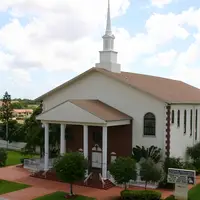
(178, 118)
(191, 122)
(149, 124)
(172, 116)
(185, 121)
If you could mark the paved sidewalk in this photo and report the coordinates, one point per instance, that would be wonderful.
(42, 187)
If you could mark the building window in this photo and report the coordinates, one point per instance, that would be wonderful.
(172, 116)
(196, 126)
(185, 121)
(190, 122)
(178, 118)
(149, 124)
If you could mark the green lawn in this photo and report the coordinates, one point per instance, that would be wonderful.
(194, 193)
(61, 196)
(6, 186)
(14, 158)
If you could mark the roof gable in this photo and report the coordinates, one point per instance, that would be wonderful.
(83, 111)
(166, 90)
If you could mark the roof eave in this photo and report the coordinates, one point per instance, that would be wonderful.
(40, 98)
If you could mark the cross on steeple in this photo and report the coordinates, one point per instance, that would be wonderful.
(108, 57)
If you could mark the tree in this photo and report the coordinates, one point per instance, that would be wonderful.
(35, 135)
(15, 132)
(150, 172)
(71, 168)
(123, 169)
(6, 112)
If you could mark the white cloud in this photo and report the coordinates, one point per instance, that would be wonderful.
(65, 35)
(160, 3)
(20, 77)
(162, 59)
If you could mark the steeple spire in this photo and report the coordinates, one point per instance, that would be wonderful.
(108, 57)
(108, 26)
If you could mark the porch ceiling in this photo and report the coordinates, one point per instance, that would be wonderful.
(85, 112)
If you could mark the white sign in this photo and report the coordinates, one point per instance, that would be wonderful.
(181, 191)
(181, 176)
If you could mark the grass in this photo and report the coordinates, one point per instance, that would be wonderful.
(194, 193)
(61, 196)
(7, 186)
(14, 158)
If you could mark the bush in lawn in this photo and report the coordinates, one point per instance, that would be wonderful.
(140, 195)
(3, 157)
(150, 172)
(71, 168)
(123, 169)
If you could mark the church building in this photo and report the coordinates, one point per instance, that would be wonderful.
(105, 112)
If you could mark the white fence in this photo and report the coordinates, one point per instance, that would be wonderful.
(37, 164)
(15, 145)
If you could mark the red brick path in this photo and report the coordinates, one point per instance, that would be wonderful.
(41, 187)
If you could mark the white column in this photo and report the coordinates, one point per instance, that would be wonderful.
(85, 143)
(104, 152)
(62, 139)
(46, 147)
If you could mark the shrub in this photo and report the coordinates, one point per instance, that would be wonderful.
(152, 152)
(189, 166)
(194, 151)
(170, 198)
(3, 157)
(140, 195)
(150, 172)
(123, 170)
(173, 198)
(196, 164)
(71, 168)
(170, 163)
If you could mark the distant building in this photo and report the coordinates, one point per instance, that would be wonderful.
(21, 114)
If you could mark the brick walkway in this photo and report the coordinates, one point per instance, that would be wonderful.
(41, 187)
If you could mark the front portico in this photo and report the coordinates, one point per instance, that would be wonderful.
(94, 127)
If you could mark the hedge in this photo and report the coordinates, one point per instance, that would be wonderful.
(140, 195)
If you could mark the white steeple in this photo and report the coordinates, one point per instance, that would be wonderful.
(108, 57)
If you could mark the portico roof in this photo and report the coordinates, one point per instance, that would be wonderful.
(85, 111)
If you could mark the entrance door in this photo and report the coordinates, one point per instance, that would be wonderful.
(96, 157)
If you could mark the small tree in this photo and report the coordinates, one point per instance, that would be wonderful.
(3, 157)
(6, 112)
(71, 168)
(123, 170)
(150, 172)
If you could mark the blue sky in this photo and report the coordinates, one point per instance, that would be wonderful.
(43, 44)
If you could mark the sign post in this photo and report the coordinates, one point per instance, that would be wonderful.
(181, 178)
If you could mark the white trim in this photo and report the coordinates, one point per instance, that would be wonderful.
(119, 123)
(108, 124)
(74, 123)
